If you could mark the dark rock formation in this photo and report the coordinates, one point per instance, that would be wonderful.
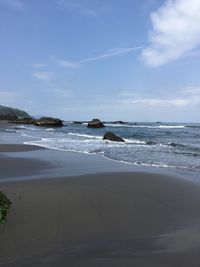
(18, 116)
(95, 123)
(150, 143)
(118, 122)
(112, 137)
(78, 122)
(48, 122)
(12, 114)
(23, 121)
(4, 206)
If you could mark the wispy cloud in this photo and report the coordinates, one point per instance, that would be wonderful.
(39, 65)
(157, 102)
(69, 64)
(16, 4)
(61, 92)
(45, 76)
(76, 6)
(48, 76)
(185, 97)
(112, 53)
(176, 32)
(115, 52)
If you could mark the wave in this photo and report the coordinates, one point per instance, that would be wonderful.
(172, 144)
(171, 126)
(183, 146)
(193, 126)
(166, 165)
(147, 126)
(11, 131)
(134, 141)
(156, 165)
(97, 137)
(22, 127)
(86, 135)
(50, 129)
(188, 154)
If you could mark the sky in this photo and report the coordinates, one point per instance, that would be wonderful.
(114, 60)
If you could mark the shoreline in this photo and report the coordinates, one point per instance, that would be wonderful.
(88, 211)
(49, 163)
(170, 159)
(84, 158)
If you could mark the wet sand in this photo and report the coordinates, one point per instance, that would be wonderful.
(17, 148)
(103, 219)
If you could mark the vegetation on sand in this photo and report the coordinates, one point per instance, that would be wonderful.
(5, 204)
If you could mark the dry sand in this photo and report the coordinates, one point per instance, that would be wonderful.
(113, 219)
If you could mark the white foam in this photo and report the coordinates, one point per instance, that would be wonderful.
(134, 141)
(86, 135)
(22, 127)
(146, 126)
(50, 129)
(171, 126)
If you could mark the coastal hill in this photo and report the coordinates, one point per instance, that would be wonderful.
(8, 113)
(13, 115)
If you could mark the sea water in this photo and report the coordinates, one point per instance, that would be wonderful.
(174, 146)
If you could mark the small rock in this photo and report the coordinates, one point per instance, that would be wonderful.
(112, 137)
(95, 123)
(118, 122)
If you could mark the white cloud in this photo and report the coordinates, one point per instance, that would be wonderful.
(112, 53)
(185, 97)
(157, 102)
(69, 64)
(64, 93)
(76, 6)
(175, 33)
(17, 4)
(38, 65)
(45, 76)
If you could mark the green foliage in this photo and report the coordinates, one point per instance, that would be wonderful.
(5, 204)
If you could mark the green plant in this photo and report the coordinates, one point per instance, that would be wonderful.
(5, 204)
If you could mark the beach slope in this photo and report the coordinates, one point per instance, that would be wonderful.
(103, 219)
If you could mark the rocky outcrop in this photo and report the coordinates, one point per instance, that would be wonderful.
(18, 116)
(12, 114)
(23, 121)
(5, 204)
(118, 122)
(78, 122)
(95, 123)
(112, 137)
(48, 122)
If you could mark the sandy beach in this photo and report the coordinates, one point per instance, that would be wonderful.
(110, 217)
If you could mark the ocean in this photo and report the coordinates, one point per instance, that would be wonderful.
(174, 146)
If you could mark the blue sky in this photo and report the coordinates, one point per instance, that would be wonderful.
(78, 59)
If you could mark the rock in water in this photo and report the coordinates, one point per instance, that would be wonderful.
(4, 206)
(95, 123)
(112, 137)
(48, 122)
(118, 122)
